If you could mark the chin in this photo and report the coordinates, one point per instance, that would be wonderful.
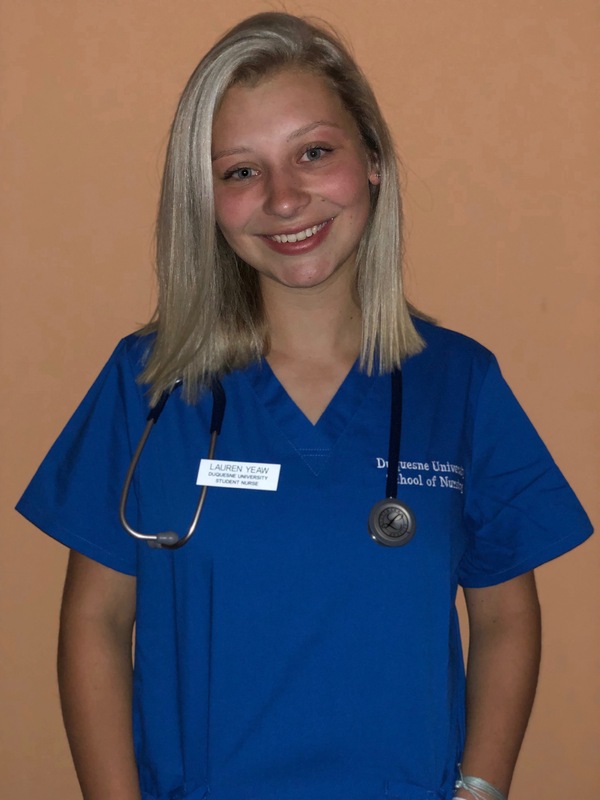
(307, 281)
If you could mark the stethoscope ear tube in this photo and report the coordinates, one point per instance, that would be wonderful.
(391, 486)
(159, 539)
(218, 409)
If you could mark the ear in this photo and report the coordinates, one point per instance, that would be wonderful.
(374, 173)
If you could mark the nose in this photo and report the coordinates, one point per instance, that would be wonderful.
(286, 196)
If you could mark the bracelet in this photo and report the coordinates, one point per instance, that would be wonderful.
(477, 788)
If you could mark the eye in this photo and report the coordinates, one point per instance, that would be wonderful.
(240, 173)
(315, 153)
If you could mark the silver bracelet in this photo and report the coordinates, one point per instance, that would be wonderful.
(478, 788)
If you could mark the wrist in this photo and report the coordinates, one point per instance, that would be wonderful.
(469, 787)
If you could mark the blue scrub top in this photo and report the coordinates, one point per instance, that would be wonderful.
(282, 654)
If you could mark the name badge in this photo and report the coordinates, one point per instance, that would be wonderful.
(238, 474)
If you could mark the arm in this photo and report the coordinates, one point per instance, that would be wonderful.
(502, 670)
(95, 677)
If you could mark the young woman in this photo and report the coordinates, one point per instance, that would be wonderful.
(303, 643)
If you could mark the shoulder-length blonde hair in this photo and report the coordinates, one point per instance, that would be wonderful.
(209, 318)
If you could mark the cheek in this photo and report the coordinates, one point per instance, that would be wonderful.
(230, 212)
(351, 188)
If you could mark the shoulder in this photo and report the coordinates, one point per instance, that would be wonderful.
(447, 351)
(134, 351)
(118, 382)
(443, 340)
(127, 362)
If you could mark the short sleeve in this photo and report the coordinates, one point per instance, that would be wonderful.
(74, 495)
(520, 511)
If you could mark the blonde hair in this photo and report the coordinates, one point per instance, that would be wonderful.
(209, 319)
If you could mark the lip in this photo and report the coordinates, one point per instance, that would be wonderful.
(298, 248)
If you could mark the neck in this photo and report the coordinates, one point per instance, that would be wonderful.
(317, 324)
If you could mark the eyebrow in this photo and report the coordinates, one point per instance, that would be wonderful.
(294, 135)
(311, 126)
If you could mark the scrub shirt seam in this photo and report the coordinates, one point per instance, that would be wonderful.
(66, 533)
(537, 558)
(345, 432)
(298, 451)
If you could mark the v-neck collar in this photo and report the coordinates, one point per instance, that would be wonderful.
(313, 443)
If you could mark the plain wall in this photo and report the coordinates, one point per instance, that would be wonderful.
(495, 111)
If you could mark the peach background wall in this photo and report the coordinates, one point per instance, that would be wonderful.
(495, 110)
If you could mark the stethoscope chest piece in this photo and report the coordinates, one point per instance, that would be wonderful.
(392, 523)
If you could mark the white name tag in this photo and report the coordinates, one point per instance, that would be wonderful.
(238, 474)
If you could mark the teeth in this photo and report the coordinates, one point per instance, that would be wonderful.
(297, 237)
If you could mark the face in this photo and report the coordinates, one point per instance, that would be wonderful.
(291, 179)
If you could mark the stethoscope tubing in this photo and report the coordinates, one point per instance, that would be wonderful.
(169, 539)
(391, 486)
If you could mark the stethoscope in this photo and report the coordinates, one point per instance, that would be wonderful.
(391, 522)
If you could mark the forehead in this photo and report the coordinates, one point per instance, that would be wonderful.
(283, 102)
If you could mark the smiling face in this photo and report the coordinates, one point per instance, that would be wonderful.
(291, 179)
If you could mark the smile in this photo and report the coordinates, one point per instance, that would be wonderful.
(299, 236)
